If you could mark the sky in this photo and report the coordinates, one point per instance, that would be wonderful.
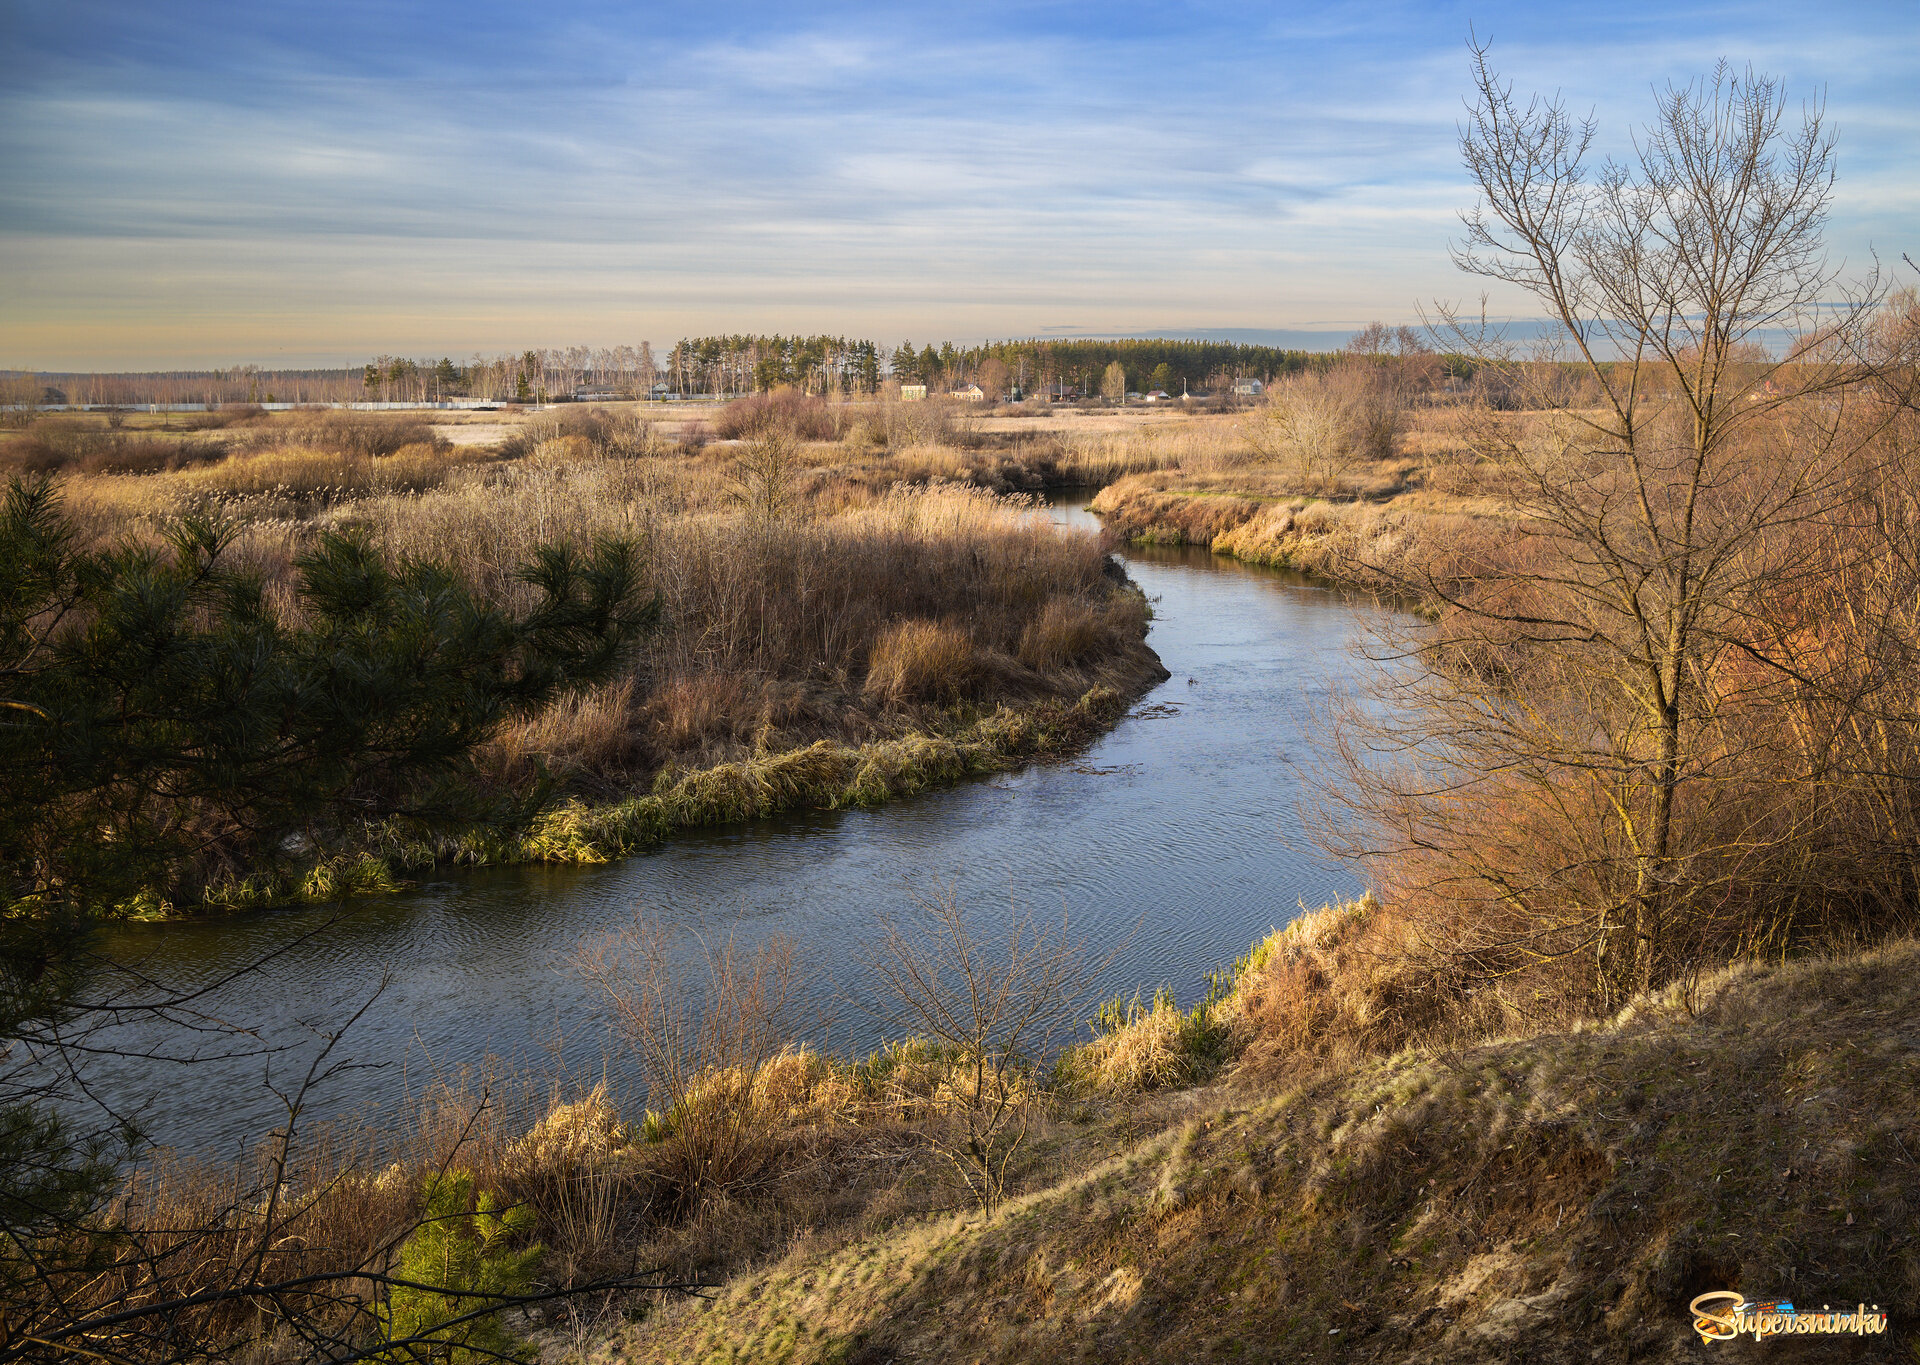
(190, 183)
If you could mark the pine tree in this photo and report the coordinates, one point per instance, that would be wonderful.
(161, 714)
(159, 721)
(459, 1261)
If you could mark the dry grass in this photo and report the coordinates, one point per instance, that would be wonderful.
(915, 661)
(1064, 633)
(74, 446)
(1338, 985)
(861, 636)
(298, 475)
(771, 622)
(1347, 982)
(575, 739)
(1555, 1195)
(342, 433)
(1140, 1048)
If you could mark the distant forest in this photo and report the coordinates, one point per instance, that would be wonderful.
(718, 365)
(827, 365)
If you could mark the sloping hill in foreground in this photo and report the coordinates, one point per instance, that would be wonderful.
(1554, 1198)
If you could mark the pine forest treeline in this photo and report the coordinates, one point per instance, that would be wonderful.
(720, 366)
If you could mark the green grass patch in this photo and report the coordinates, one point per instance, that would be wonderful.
(820, 776)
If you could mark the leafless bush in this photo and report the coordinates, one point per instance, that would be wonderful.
(703, 1033)
(1323, 423)
(992, 1007)
(762, 474)
(786, 412)
(900, 426)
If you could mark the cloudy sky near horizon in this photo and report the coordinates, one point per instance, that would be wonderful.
(204, 182)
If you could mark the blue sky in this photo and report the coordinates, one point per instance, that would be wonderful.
(207, 183)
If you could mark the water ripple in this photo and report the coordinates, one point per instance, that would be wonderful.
(1178, 834)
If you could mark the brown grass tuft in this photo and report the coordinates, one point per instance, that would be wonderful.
(1349, 981)
(1063, 633)
(915, 661)
(584, 735)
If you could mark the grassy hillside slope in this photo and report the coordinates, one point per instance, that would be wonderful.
(1553, 1198)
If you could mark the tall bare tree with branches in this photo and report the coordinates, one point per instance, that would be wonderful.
(1582, 691)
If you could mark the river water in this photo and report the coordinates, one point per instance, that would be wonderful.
(1179, 834)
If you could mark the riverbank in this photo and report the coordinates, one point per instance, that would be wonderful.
(1565, 1195)
(831, 623)
(1200, 1182)
(1388, 541)
(822, 776)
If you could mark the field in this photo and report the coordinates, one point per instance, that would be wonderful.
(839, 620)
(1573, 1064)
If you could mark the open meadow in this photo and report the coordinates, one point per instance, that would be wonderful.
(1647, 866)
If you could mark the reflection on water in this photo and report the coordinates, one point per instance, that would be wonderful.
(1180, 828)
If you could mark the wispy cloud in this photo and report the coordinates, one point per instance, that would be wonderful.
(210, 181)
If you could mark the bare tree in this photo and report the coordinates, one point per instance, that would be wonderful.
(993, 1006)
(993, 378)
(763, 474)
(1582, 694)
(702, 1030)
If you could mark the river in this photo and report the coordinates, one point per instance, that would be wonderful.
(1178, 834)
